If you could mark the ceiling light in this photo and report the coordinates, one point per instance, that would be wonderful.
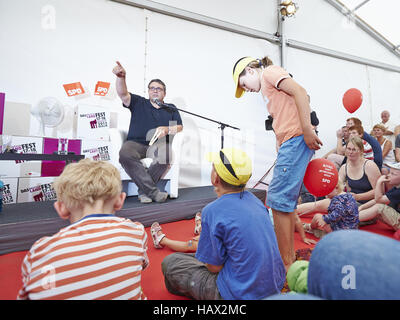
(288, 8)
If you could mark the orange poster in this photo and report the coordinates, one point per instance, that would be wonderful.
(101, 88)
(73, 89)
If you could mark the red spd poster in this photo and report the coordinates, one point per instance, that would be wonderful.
(102, 88)
(73, 89)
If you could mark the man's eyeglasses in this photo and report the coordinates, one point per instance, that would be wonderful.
(157, 89)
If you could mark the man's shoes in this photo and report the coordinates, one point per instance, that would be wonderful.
(161, 197)
(144, 199)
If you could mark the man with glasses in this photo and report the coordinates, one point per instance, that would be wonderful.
(152, 123)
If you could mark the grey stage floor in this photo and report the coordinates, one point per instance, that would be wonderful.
(24, 223)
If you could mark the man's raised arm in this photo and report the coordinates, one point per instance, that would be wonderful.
(120, 84)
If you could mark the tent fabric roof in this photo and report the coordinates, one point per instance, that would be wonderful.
(381, 16)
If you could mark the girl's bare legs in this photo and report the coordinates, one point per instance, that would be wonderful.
(284, 224)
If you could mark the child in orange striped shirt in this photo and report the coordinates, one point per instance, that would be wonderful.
(99, 255)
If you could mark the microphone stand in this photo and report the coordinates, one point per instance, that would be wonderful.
(222, 125)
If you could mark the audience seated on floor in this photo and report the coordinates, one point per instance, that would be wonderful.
(390, 127)
(337, 212)
(359, 174)
(372, 150)
(386, 145)
(376, 148)
(386, 204)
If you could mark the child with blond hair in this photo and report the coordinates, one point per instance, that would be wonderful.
(338, 211)
(99, 255)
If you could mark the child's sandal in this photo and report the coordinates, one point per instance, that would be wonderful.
(307, 228)
(156, 235)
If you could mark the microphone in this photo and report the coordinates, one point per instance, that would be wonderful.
(162, 105)
(157, 102)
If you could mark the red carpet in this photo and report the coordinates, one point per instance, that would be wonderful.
(152, 279)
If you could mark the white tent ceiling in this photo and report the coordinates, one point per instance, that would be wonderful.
(381, 16)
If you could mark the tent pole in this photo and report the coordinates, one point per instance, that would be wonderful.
(281, 35)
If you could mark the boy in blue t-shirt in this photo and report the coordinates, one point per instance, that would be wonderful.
(237, 255)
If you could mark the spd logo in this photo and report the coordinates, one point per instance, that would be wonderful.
(73, 89)
(101, 88)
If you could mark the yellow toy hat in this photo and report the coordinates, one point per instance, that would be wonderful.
(239, 66)
(232, 165)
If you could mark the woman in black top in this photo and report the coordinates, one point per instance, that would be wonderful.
(359, 174)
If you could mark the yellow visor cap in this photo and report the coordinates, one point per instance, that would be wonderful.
(239, 66)
(232, 165)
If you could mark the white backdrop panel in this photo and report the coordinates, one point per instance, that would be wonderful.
(85, 41)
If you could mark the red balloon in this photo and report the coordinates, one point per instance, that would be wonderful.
(352, 99)
(321, 177)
